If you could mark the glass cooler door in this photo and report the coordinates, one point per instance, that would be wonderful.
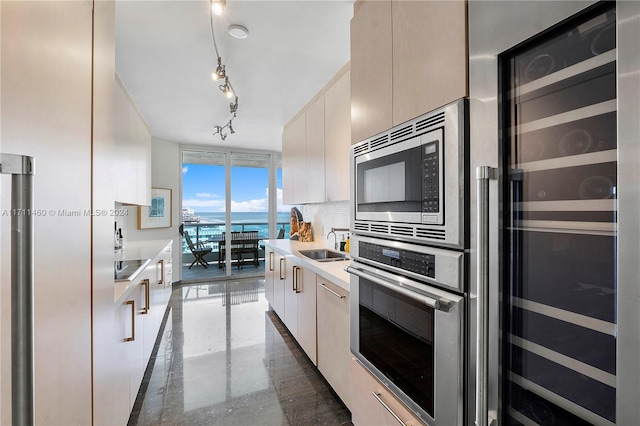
(558, 121)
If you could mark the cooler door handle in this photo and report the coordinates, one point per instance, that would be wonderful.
(483, 175)
(21, 168)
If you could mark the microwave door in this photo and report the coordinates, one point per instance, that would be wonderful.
(390, 182)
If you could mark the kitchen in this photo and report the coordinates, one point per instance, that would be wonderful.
(84, 288)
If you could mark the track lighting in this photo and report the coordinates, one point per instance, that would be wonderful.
(218, 6)
(220, 71)
(226, 88)
(219, 130)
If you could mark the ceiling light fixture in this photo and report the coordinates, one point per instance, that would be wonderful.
(238, 31)
(218, 6)
(221, 72)
(233, 107)
(226, 88)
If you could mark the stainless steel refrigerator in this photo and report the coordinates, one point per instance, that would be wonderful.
(555, 195)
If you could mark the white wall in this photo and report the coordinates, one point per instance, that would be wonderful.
(165, 173)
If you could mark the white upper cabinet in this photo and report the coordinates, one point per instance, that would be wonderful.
(315, 146)
(133, 152)
(407, 58)
(337, 138)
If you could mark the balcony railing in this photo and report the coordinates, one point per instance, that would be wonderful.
(206, 232)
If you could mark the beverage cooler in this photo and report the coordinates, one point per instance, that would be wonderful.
(554, 111)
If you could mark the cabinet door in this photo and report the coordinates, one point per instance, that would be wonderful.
(337, 138)
(124, 351)
(334, 353)
(135, 350)
(368, 397)
(290, 299)
(371, 70)
(133, 144)
(430, 64)
(279, 281)
(305, 284)
(269, 272)
(315, 168)
(294, 163)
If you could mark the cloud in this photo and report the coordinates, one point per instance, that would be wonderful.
(218, 205)
(185, 169)
(206, 195)
(204, 205)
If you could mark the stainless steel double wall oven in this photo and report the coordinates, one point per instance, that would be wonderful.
(408, 287)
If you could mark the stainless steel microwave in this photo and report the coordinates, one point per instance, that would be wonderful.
(409, 182)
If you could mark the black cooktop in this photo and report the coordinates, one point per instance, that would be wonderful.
(124, 269)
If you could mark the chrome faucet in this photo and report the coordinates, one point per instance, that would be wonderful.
(335, 237)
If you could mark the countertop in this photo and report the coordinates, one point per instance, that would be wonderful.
(332, 271)
(136, 250)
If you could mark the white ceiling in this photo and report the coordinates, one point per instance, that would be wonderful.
(165, 57)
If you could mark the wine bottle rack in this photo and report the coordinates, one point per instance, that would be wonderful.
(560, 156)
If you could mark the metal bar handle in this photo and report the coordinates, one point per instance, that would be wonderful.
(429, 301)
(133, 321)
(21, 168)
(338, 295)
(282, 269)
(145, 310)
(161, 280)
(271, 267)
(483, 175)
(293, 279)
(376, 395)
(297, 277)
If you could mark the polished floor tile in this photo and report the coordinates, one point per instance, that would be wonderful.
(225, 359)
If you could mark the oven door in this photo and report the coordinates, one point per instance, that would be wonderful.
(410, 336)
(402, 182)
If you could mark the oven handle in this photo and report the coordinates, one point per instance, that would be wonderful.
(437, 303)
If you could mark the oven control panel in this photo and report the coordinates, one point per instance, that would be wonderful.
(430, 177)
(411, 261)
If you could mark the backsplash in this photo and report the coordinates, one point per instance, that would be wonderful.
(326, 216)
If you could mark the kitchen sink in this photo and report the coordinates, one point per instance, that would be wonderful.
(324, 255)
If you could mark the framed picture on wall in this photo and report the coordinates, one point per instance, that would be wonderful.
(158, 214)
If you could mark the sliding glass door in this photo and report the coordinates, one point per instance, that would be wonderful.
(229, 202)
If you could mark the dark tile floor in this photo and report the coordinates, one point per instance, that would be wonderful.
(225, 359)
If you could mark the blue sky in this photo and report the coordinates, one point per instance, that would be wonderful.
(203, 188)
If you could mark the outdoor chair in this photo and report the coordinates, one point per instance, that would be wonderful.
(198, 250)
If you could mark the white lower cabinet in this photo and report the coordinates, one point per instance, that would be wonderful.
(305, 287)
(300, 306)
(130, 325)
(334, 354)
(269, 273)
(372, 404)
(138, 319)
(279, 283)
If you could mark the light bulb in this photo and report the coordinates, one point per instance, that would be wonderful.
(218, 6)
(228, 92)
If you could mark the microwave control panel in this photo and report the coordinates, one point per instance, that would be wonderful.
(418, 263)
(430, 178)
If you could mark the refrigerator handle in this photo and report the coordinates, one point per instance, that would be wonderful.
(21, 169)
(483, 175)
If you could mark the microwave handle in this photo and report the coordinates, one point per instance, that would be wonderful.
(433, 302)
(483, 175)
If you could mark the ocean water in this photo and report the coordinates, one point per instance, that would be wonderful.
(212, 223)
